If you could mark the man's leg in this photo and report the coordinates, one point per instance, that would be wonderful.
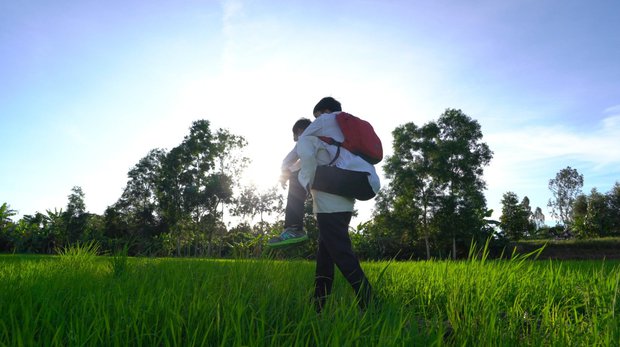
(334, 233)
(294, 213)
(324, 276)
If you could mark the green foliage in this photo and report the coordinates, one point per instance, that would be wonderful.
(80, 256)
(565, 188)
(596, 214)
(175, 198)
(5, 215)
(613, 199)
(386, 236)
(80, 252)
(76, 205)
(436, 180)
(251, 202)
(516, 219)
(6, 227)
(538, 218)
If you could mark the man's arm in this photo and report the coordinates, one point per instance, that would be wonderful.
(290, 159)
(314, 129)
(307, 150)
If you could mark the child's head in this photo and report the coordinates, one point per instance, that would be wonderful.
(299, 127)
(326, 105)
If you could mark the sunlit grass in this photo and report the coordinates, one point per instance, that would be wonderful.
(196, 302)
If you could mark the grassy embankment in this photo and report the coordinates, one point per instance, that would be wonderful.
(599, 249)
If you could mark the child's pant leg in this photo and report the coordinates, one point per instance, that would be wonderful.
(294, 212)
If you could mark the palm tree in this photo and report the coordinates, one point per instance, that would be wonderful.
(5, 215)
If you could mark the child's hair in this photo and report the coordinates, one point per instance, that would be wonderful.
(302, 123)
(327, 103)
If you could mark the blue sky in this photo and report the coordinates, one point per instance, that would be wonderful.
(89, 87)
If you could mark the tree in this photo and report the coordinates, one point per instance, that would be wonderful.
(515, 218)
(180, 191)
(195, 180)
(37, 233)
(565, 188)
(252, 202)
(5, 215)
(613, 200)
(6, 227)
(436, 174)
(139, 198)
(394, 229)
(529, 216)
(75, 216)
(57, 226)
(592, 215)
(538, 218)
(76, 205)
(462, 158)
(599, 216)
(413, 192)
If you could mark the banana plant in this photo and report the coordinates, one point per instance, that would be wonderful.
(5, 215)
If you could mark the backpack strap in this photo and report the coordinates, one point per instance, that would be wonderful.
(331, 141)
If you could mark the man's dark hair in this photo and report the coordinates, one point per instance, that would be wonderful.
(302, 123)
(327, 103)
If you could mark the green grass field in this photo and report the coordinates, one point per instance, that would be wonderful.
(79, 299)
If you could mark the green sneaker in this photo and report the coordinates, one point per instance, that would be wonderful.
(290, 236)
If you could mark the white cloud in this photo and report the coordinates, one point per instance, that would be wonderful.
(599, 147)
(231, 9)
(526, 158)
(611, 124)
(612, 110)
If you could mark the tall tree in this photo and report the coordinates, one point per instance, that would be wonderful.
(139, 196)
(592, 215)
(181, 191)
(76, 205)
(538, 217)
(75, 216)
(57, 225)
(529, 216)
(599, 216)
(438, 168)
(515, 218)
(5, 215)
(6, 227)
(463, 157)
(565, 188)
(613, 199)
(414, 191)
(136, 217)
(194, 180)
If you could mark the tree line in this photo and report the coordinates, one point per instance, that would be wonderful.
(577, 214)
(175, 203)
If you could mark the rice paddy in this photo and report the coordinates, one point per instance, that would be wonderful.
(80, 299)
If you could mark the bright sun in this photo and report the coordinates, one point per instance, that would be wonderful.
(264, 174)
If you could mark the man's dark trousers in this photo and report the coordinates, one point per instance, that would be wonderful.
(335, 249)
